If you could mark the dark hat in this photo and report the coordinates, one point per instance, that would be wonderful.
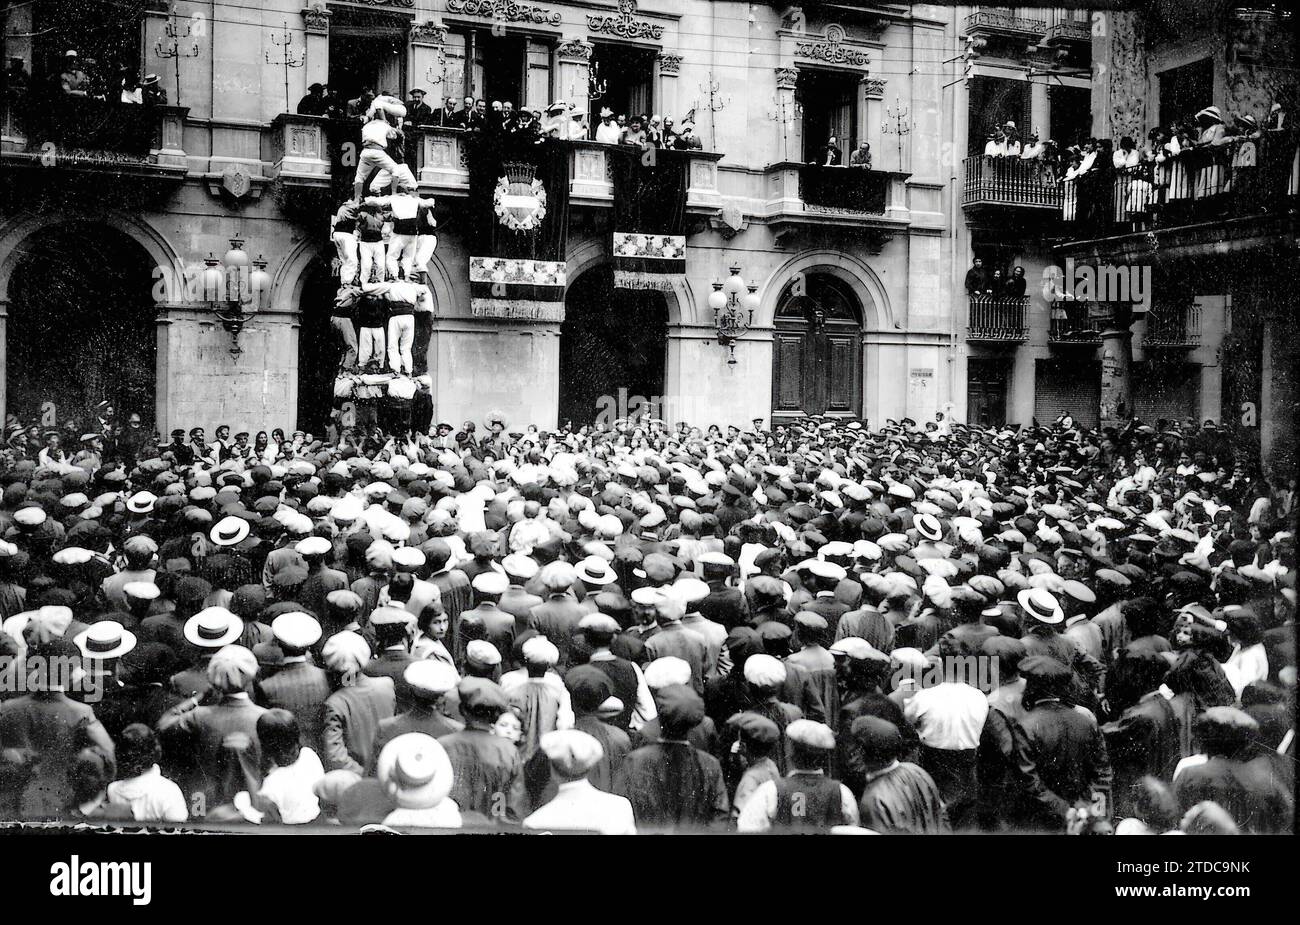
(754, 728)
(679, 706)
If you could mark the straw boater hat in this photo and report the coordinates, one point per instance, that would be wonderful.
(415, 771)
(1040, 604)
(104, 640)
(213, 627)
(229, 531)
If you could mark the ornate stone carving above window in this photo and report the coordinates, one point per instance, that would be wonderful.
(504, 11)
(624, 25)
(831, 48)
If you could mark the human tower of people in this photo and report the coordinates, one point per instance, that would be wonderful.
(384, 237)
(821, 627)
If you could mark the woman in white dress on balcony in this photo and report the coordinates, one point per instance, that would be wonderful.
(1210, 174)
(1136, 191)
(1070, 198)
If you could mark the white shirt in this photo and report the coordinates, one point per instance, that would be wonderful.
(580, 806)
(291, 789)
(608, 133)
(1245, 666)
(759, 811)
(375, 133)
(152, 797)
(1123, 158)
(948, 715)
(995, 148)
(445, 815)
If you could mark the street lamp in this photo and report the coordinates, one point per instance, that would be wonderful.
(733, 313)
(236, 287)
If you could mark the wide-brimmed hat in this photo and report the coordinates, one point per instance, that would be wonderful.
(213, 627)
(141, 502)
(415, 771)
(105, 639)
(229, 531)
(1040, 604)
(928, 526)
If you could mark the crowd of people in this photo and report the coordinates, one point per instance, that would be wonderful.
(1174, 163)
(816, 627)
(84, 77)
(562, 120)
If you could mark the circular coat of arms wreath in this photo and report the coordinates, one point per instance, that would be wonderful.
(520, 205)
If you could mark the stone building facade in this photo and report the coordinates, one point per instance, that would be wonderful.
(228, 159)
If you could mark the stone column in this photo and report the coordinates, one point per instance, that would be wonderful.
(573, 66)
(873, 92)
(1040, 114)
(316, 25)
(425, 65)
(1116, 383)
(667, 101)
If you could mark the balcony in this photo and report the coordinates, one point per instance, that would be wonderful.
(998, 320)
(849, 198)
(1009, 181)
(1173, 327)
(1078, 323)
(95, 136)
(1004, 24)
(1218, 186)
(1069, 32)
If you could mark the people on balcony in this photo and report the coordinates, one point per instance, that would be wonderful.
(831, 155)
(1012, 139)
(315, 102)
(418, 112)
(1016, 284)
(862, 156)
(607, 132)
(74, 79)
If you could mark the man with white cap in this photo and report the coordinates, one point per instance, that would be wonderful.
(357, 706)
(671, 638)
(1043, 621)
(428, 682)
(539, 697)
(393, 627)
(557, 617)
(297, 685)
(578, 806)
(221, 736)
(764, 678)
(806, 799)
(139, 552)
(498, 625)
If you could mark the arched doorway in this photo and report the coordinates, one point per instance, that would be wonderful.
(82, 325)
(611, 340)
(817, 349)
(319, 350)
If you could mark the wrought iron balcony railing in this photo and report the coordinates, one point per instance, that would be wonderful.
(998, 319)
(1009, 181)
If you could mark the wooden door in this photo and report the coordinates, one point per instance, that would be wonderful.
(817, 353)
(986, 392)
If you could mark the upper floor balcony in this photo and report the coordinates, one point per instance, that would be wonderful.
(312, 152)
(1232, 195)
(998, 319)
(810, 195)
(1005, 23)
(83, 134)
(1172, 327)
(1069, 31)
(1074, 322)
(1009, 181)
